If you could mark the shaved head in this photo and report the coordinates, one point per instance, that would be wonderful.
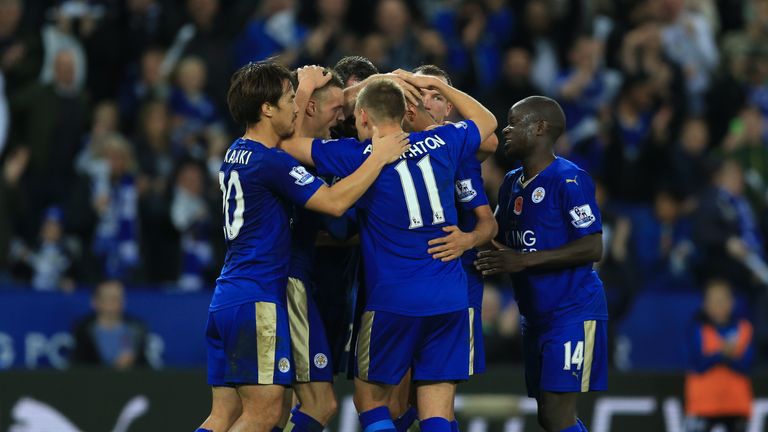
(541, 108)
(535, 123)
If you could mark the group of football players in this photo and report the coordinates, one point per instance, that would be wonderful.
(341, 163)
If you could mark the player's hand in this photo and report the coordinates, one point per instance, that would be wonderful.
(501, 260)
(419, 81)
(389, 148)
(451, 246)
(313, 76)
(412, 94)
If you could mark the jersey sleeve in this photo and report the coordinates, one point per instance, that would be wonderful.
(470, 193)
(337, 157)
(464, 132)
(291, 180)
(501, 208)
(578, 204)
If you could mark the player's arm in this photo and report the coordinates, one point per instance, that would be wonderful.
(490, 142)
(468, 106)
(457, 241)
(586, 250)
(336, 199)
(310, 78)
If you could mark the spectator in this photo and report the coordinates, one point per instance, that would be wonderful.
(689, 41)
(720, 345)
(208, 36)
(405, 45)
(662, 246)
(191, 214)
(273, 31)
(726, 232)
(13, 166)
(642, 54)
(21, 49)
(51, 264)
(538, 36)
(115, 201)
(194, 113)
(688, 161)
(146, 84)
(474, 35)
(105, 123)
(159, 239)
(637, 132)
(148, 23)
(108, 337)
(746, 143)
(50, 121)
(329, 38)
(515, 84)
(584, 89)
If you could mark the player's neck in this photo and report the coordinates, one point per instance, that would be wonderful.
(389, 128)
(262, 132)
(537, 163)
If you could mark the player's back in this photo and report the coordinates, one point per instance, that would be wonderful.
(555, 208)
(408, 205)
(256, 181)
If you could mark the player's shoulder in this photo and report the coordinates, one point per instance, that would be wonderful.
(450, 127)
(568, 173)
(511, 177)
(352, 144)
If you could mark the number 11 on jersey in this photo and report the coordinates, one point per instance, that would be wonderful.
(412, 199)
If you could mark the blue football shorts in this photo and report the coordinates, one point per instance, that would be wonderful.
(249, 344)
(571, 358)
(309, 342)
(436, 348)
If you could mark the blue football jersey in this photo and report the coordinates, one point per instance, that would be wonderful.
(408, 205)
(305, 225)
(555, 208)
(259, 185)
(469, 196)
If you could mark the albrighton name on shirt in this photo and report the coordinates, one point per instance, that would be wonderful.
(418, 148)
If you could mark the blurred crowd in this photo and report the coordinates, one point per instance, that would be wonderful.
(113, 126)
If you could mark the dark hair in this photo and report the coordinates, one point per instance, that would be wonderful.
(253, 85)
(357, 66)
(432, 70)
(382, 99)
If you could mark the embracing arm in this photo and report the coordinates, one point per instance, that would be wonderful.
(337, 199)
(457, 241)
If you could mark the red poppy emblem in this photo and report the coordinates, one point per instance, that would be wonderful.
(518, 205)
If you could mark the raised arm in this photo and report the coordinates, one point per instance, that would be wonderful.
(310, 78)
(350, 93)
(468, 106)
